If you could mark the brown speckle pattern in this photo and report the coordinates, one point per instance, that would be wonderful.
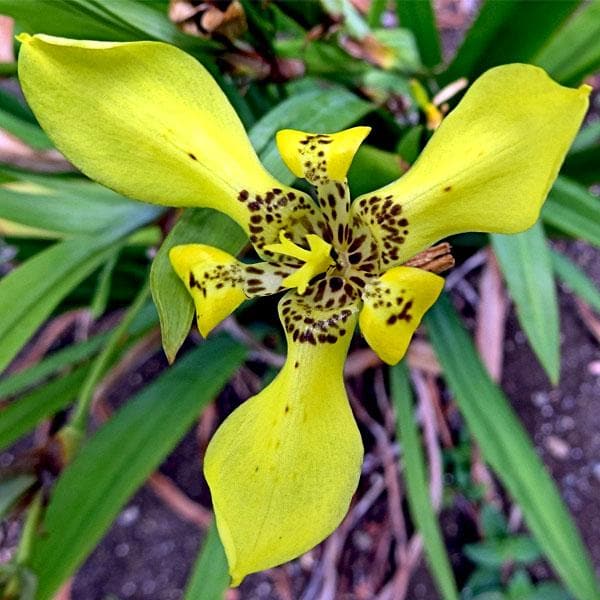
(308, 322)
(397, 304)
(385, 213)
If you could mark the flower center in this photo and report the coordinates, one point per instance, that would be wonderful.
(316, 260)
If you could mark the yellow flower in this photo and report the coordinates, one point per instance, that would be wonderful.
(147, 120)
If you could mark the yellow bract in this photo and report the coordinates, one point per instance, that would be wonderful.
(490, 164)
(213, 278)
(312, 155)
(283, 466)
(143, 118)
(393, 308)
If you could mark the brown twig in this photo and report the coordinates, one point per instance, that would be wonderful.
(424, 393)
(491, 317)
(64, 593)
(51, 332)
(589, 318)
(16, 153)
(179, 502)
(436, 259)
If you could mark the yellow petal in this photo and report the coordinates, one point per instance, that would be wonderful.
(147, 120)
(318, 157)
(393, 307)
(219, 283)
(283, 467)
(213, 278)
(488, 167)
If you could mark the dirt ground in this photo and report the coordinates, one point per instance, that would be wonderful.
(149, 551)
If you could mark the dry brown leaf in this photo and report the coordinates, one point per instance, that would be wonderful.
(209, 18)
(491, 317)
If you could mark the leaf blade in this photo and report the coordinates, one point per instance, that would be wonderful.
(210, 574)
(120, 457)
(417, 490)
(524, 260)
(508, 450)
(573, 209)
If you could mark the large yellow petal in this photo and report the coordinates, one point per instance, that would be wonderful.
(147, 120)
(283, 467)
(488, 167)
(394, 305)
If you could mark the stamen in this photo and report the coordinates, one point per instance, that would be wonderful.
(316, 260)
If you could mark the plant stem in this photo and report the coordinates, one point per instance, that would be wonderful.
(26, 542)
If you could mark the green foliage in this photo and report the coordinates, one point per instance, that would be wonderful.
(573, 209)
(92, 244)
(506, 447)
(210, 576)
(118, 459)
(419, 18)
(527, 268)
(417, 488)
(575, 279)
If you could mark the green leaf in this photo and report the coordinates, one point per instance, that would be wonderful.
(419, 17)
(111, 20)
(210, 575)
(574, 51)
(71, 355)
(23, 414)
(549, 590)
(11, 489)
(520, 586)
(575, 279)
(121, 455)
(30, 293)
(508, 450)
(371, 169)
(319, 110)
(571, 208)
(526, 32)
(376, 11)
(582, 164)
(588, 137)
(481, 35)
(508, 31)
(173, 302)
(525, 263)
(16, 119)
(102, 293)
(493, 522)
(494, 554)
(66, 206)
(417, 487)
(409, 147)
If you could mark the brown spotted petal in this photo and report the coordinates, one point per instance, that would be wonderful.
(323, 159)
(394, 305)
(219, 283)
